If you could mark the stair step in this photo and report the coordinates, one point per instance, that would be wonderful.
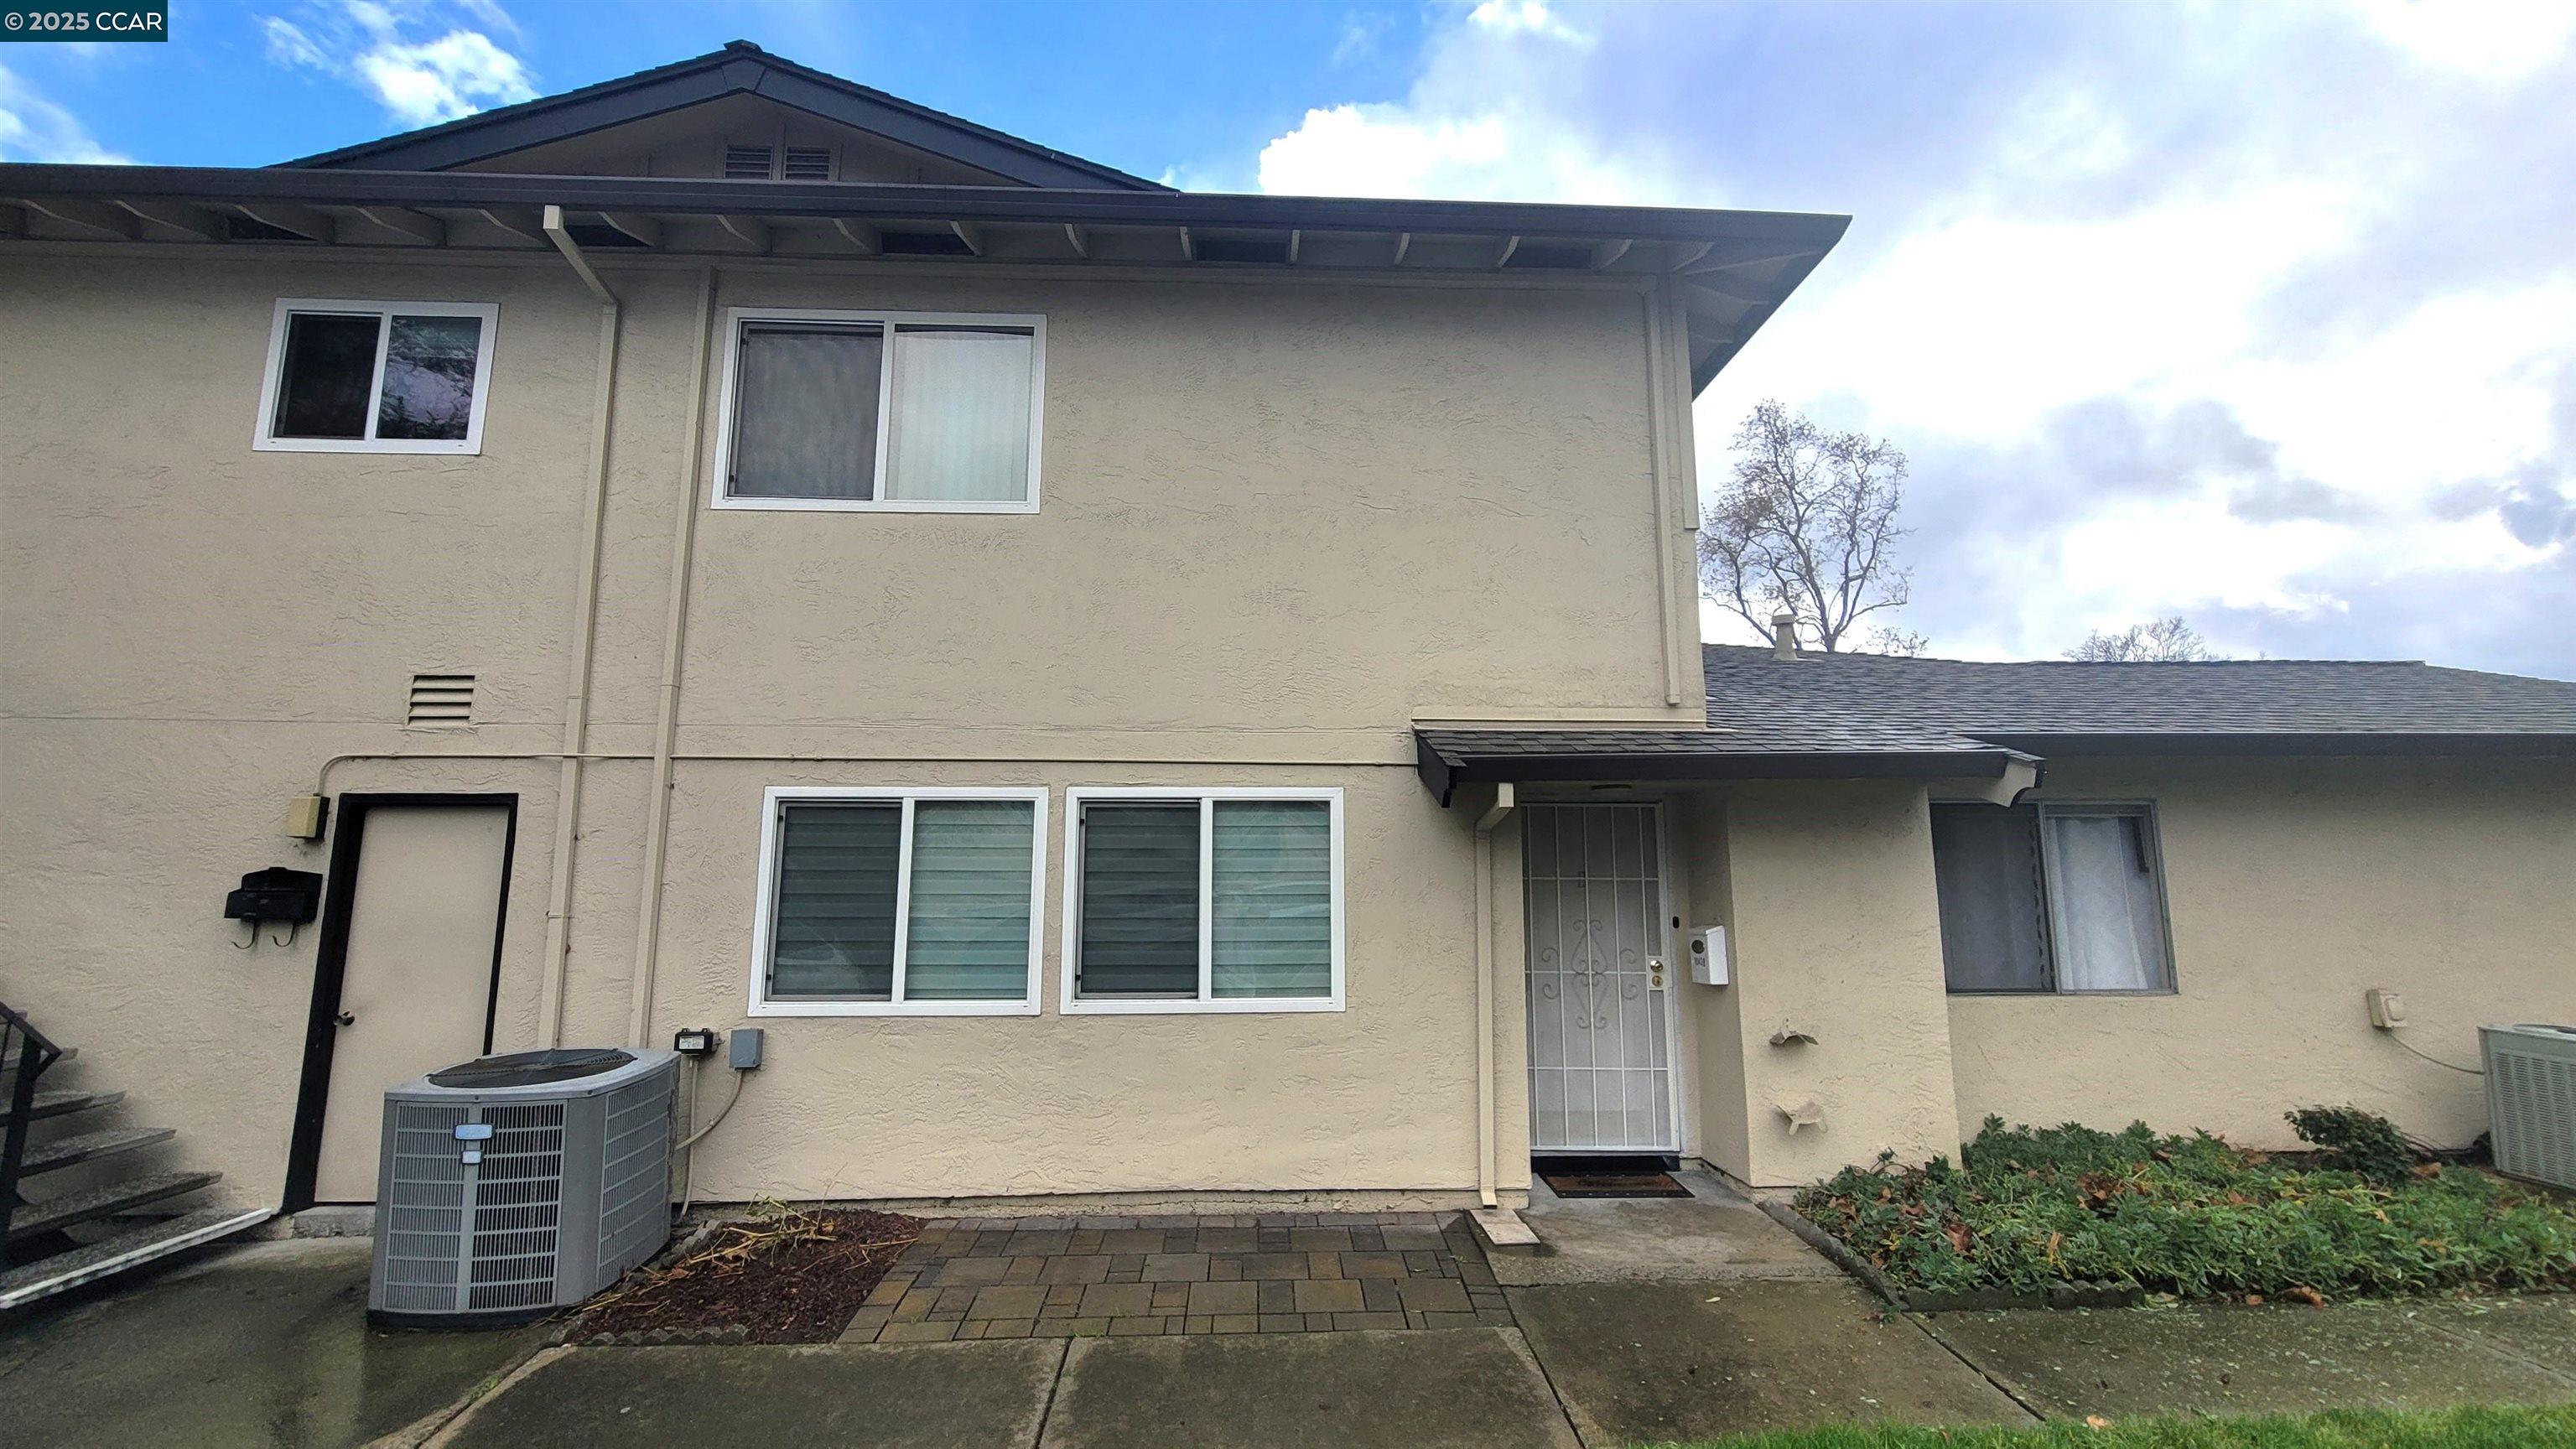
(61, 1101)
(9, 1063)
(55, 1213)
(47, 1276)
(90, 1146)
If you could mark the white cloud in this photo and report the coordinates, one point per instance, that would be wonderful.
(33, 128)
(452, 76)
(2499, 41)
(419, 82)
(2236, 312)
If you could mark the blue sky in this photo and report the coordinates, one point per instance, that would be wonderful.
(2262, 313)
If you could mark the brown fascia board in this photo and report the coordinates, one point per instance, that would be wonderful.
(1746, 232)
(1442, 775)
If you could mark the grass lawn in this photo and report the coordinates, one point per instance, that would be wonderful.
(2191, 1216)
(2342, 1429)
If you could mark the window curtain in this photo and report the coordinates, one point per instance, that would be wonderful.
(1140, 901)
(2110, 929)
(1986, 873)
(960, 430)
(1272, 912)
(968, 934)
(805, 411)
(834, 935)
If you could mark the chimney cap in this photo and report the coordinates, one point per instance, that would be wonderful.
(1784, 635)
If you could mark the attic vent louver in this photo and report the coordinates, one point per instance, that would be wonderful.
(746, 163)
(441, 700)
(807, 163)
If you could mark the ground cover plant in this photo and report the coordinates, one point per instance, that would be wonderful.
(2469, 1428)
(2195, 1217)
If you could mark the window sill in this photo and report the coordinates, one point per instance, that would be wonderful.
(867, 505)
(895, 1008)
(1233, 1006)
(2061, 995)
(437, 447)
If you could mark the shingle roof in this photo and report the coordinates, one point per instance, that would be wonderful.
(1869, 714)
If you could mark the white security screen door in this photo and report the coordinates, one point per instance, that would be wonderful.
(1600, 1060)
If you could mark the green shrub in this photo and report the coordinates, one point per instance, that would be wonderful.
(2191, 1216)
(2356, 1141)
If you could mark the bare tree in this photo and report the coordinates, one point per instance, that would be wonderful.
(2166, 641)
(1807, 526)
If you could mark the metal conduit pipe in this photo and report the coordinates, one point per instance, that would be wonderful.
(1488, 1171)
(585, 639)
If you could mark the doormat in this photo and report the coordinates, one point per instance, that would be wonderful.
(1614, 1184)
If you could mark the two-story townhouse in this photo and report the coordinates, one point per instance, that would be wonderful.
(1140, 696)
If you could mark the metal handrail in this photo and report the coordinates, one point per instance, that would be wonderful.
(33, 1053)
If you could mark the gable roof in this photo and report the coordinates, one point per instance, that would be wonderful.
(740, 68)
(1856, 715)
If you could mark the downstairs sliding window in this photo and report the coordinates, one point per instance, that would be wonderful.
(899, 902)
(1203, 900)
(2052, 898)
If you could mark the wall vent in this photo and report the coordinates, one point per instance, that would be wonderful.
(807, 163)
(441, 699)
(746, 163)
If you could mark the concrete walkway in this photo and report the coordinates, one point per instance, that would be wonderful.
(266, 1346)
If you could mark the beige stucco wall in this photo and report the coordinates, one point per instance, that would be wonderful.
(1281, 519)
(2292, 887)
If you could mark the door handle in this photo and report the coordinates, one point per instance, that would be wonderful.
(346, 1019)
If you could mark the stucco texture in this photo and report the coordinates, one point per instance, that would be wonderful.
(2292, 887)
(1280, 519)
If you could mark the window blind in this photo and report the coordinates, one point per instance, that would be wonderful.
(1272, 907)
(960, 430)
(805, 411)
(1140, 900)
(834, 934)
(968, 933)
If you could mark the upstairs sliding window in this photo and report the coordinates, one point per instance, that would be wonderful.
(376, 377)
(912, 412)
(2050, 898)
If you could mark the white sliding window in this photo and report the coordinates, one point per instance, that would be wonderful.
(892, 411)
(2061, 898)
(1203, 900)
(376, 377)
(898, 902)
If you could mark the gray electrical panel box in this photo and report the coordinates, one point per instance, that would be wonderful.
(745, 1046)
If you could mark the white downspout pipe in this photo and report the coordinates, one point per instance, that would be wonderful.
(675, 628)
(585, 639)
(1487, 1169)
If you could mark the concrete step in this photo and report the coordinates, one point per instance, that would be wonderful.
(132, 1248)
(56, 1213)
(61, 1101)
(9, 1063)
(91, 1146)
(1503, 1231)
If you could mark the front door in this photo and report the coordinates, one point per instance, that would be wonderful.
(415, 988)
(1600, 1049)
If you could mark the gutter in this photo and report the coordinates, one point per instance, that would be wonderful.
(585, 635)
(1778, 234)
(1487, 1169)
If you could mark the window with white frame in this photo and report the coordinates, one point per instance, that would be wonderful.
(878, 902)
(377, 377)
(905, 411)
(1203, 900)
(2050, 898)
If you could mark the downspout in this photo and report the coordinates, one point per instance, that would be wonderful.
(675, 628)
(1487, 1170)
(585, 637)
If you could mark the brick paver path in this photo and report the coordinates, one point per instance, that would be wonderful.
(1271, 1273)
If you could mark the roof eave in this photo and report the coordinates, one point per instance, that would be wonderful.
(1443, 770)
(2477, 743)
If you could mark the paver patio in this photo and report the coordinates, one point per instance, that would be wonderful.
(981, 1278)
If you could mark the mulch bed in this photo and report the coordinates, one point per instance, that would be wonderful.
(794, 1277)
